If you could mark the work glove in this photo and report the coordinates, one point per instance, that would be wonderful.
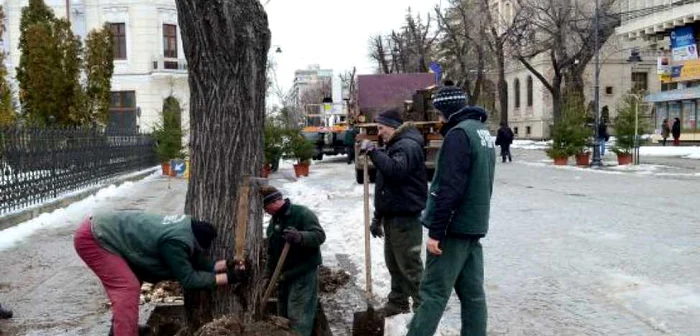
(367, 146)
(236, 271)
(376, 228)
(292, 235)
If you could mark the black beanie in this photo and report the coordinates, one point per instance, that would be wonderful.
(204, 232)
(391, 118)
(449, 99)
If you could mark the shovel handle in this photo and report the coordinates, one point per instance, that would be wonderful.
(368, 256)
(275, 277)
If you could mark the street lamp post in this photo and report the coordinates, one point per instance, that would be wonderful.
(597, 161)
(634, 59)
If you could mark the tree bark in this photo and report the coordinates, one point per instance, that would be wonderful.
(226, 45)
(502, 84)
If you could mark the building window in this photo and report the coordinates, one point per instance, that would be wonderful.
(122, 111)
(528, 130)
(515, 130)
(516, 86)
(529, 91)
(119, 34)
(608, 90)
(639, 81)
(170, 41)
(669, 86)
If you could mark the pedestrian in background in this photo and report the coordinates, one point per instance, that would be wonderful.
(676, 132)
(349, 142)
(603, 136)
(504, 138)
(665, 131)
(401, 191)
(457, 217)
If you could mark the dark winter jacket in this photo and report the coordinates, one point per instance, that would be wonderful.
(401, 187)
(504, 137)
(350, 135)
(302, 257)
(603, 132)
(460, 195)
(665, 130)
(676, 129)
(156, 247)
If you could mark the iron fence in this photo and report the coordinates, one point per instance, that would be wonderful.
(40, 164)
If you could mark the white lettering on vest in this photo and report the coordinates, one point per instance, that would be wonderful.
(172, 219)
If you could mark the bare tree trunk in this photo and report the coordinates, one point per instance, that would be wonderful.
(502, 84)
(226, 45)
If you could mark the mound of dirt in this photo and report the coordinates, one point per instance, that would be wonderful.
(332, 280)
(232, 326)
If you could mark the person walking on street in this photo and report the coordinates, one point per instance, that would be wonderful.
(676, 132)
(457, 217)
(5, 313)
(349, 143)
(401, 191)
(127, 248)
(603, 137)
(665, 131)
(504, 138)
(297, 289)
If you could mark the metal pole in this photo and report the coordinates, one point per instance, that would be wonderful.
(68, 10)
(636, 129)
(597, 162)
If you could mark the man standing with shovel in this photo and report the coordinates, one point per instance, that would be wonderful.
(297, 290)
(400, 195)
(457, 217)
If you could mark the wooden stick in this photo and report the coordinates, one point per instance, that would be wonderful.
(368, 256)
(275, 277)
(242, 210)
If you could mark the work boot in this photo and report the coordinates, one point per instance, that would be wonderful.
(391, 309)
(5, 313)
(144, 330)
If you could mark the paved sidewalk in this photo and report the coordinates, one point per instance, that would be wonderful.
(47, 285)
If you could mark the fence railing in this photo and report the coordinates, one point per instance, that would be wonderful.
(41, 164)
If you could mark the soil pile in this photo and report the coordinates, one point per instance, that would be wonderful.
(332, 280)
(165, 291)
(232, 326)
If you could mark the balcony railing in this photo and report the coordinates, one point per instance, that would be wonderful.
(177, 65)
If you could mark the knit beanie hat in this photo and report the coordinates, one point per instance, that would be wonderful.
(204, 232)
(449, 99)
(270, 195)
(391, 118)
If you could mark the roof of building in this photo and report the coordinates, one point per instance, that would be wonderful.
(392, 90)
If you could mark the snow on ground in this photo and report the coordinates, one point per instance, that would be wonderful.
(11, 236)
(686, 152)
(530, 144)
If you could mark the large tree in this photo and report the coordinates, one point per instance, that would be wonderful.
(49, 68)
(7, 111)
(226, 45)
(563, 33)
(99, 67)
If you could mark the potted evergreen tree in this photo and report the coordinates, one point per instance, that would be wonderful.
(168, 135)
(274, 143)
(303, 151)
(624, 125)
(561, 148)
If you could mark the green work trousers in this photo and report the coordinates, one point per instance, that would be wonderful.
(297, 301)
(402, 247)
(461, 266)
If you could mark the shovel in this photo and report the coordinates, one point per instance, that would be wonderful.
(369, 322)
(275, 277)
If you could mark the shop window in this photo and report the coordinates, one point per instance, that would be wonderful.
(669, 86)
(640, 81)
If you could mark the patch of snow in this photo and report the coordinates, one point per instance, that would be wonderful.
(61, 217)
(530, 144)
(688, 152)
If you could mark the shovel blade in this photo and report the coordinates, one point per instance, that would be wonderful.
(368, 323)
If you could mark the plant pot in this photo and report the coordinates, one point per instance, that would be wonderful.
(305, 170)
(583, 159)
(561, 161)
(165, 168)
(624, 159)
(267, 170)
(299, 170)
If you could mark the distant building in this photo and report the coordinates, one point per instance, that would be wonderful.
(149, 63)
(671, 30)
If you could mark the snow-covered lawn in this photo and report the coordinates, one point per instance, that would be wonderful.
(686, 152)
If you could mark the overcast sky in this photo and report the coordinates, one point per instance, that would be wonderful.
(332, 33)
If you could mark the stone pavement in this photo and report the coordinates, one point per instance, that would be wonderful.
(50, 289)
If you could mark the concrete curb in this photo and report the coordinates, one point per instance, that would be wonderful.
(25, 215)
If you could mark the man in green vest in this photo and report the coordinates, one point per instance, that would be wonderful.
(297, 290)
(126, 248)
(457, 217)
